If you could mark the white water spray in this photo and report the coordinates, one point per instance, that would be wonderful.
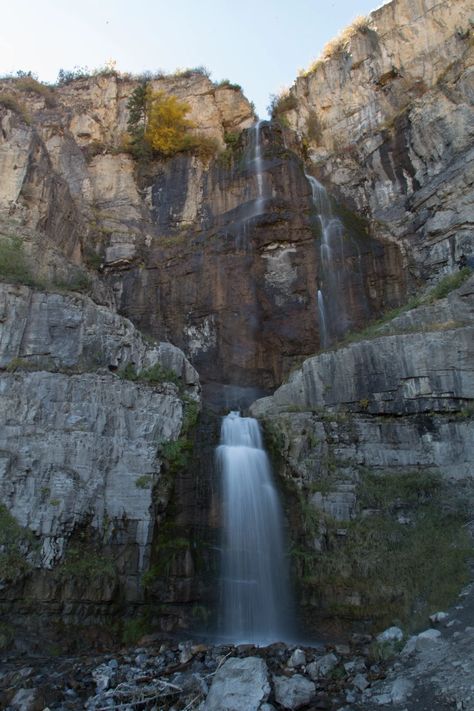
(255, 599)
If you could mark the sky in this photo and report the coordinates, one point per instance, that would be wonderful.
(259, 44)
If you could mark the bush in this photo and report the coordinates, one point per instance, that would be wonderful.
(29, 83)
(448, 284)
(13, 266)
(10, 102)
(157, 123)
(403, 556)
(81, 563)
(203, 146)
(14, 541)
(191, 71)
(226, 84)
(66, 76)
(280, 104)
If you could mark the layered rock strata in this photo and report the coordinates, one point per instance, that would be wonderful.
(219, 255)
(387, 124)
(82, 473)
(397, 408)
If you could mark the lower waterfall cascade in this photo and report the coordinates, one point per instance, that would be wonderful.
(255, 594)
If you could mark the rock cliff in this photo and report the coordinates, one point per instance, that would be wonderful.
(386, 122)
(364, 437)
(180, 242)
(235, 253)
(88, 408)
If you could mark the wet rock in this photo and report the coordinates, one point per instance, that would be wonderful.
(297, 659)
(239, 684)
(427, 639)
(26, 700)
(360, 682)
(392, 634)
(401, 689)
(409, 648)
(439, 617)
(382, 699)
(355, 665)
(322, 667)
(293, 692)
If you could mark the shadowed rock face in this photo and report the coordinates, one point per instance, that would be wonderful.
(237, 289)
(219, 256)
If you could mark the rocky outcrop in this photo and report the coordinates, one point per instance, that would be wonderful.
(357, 432)
(180, 241)
(83, 481)
(387, 124)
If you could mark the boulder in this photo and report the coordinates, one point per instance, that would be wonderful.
(239, 684)
(293, 692)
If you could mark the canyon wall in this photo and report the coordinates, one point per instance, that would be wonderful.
(107, 260)
(385, 119)
(186, 246)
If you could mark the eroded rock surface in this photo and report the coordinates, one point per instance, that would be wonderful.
(387, 120)
(396, 408)
(81, 450)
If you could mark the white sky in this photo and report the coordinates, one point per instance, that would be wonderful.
(258, 44)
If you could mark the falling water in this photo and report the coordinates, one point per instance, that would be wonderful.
(255, 600)
(323, 329)
(331, 293)
(254, 163)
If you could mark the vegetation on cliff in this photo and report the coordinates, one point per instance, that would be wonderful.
(158, 125)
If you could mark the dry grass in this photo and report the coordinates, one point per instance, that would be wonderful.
(31, 84)
(10, 101)
(339, 44)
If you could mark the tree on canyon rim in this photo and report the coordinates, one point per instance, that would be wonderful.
(157, 122)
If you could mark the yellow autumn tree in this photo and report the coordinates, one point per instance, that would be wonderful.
(166, 127)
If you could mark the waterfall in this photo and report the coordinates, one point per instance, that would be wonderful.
(323, 332)
(255, 599)
(332, 308)
(254, 164)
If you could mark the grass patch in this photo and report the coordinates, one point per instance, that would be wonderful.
(86, 564)
(78, 280)
(15, 541)
(144, 482)
(10, 101)
(20, 364)
(403, 556)
(13, 266)
(133, 629)
(339, 44)
(448, 284)
(168, 549)
(155, 374)
(30, 84)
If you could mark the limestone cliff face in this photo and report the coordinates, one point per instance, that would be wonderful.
(398, 407)
(188, 248)
(81, 451)
(223, 256)
(387, 124)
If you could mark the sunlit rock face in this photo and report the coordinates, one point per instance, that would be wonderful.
(388, 125)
